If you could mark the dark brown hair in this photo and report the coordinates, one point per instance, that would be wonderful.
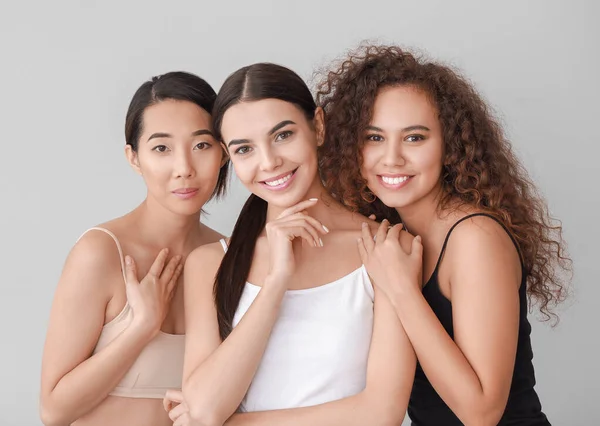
(479, 167)
(176, 85)
(251, 83)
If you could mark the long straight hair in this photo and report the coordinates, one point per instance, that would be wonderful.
(252, 83)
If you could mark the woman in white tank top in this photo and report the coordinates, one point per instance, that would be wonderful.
(290, 332)
(114, 348)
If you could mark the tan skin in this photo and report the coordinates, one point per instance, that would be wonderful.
(288, 256)
(91, 291)
(480, 272)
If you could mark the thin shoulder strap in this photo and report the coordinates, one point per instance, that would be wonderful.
(224, 244)
(469, 216)
(114, 237)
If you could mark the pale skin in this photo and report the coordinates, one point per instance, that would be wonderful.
(309, 240)
(480, 272)
(156, 237)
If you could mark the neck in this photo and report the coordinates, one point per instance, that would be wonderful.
(162, 228)
(420, 217)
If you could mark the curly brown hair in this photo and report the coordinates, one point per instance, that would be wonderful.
(479, 167)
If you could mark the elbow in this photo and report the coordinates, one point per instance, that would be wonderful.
(483, 414)
(203, 416)
(384, 411)
(50, 415)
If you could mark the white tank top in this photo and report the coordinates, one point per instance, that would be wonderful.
(319, 346)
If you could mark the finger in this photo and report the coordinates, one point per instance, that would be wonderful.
(382, 231)
(178, 411)
(394, 232)
(159, 263)
(169, 270)
(298, 207)
(183, 420)
(416, 248)
(302, 229)
(367, 237)
(304, 216)
(173, 283)
(172, 398)
(130, 270)
(364, 256)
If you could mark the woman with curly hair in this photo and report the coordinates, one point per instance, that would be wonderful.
(411, 140)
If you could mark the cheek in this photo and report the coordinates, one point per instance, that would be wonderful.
(369, 161)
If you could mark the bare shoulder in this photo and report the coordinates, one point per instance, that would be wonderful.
(481, 241)
(206, 257)
(91, 264)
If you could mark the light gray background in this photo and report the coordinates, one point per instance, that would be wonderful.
(69, 69)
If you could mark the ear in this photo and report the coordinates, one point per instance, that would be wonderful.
(133, 159)
(225, 156)
(319, 123)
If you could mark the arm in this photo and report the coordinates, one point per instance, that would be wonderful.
(473, 373)
(217, 375)
(73, 383)
(390, 374)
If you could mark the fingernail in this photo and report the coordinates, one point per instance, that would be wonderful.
(359, 240)
(364, 224)
(167, 251)
(313, 199)
(321, 241)
(325, 228)
(128, 260)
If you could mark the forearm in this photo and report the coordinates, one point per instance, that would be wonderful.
(88, 384)
(216, 388)
(445, 365)
(358, 410)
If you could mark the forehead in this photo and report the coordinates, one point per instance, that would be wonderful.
(174, 115)
(257, 118)
(403, 105)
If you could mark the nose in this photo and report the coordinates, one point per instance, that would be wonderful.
(183, 167)
(393, 154)
(269, 160)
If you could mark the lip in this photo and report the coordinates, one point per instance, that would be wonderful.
(282, 186)
(398, 185)
(185, 193)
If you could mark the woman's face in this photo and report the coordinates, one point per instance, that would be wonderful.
(273, 148)
(403, 147)
(178, 156)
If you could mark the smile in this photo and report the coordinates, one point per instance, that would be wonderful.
(279, 182)
(394, 181)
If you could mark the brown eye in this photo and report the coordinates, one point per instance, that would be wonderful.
(414, 138)
(202, 145)
(375, 138)
(283, 135)
(160, 148)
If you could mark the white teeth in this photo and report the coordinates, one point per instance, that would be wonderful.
(394, 180)
(278, 181)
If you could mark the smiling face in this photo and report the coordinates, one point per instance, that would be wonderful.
(403, 148)
(177, 156)
(273, 148)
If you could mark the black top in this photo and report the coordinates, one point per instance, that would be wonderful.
(426, 408)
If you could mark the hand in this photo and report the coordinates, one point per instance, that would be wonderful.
(390, 266)
(177, 408)
(150, 298)
(292, 224)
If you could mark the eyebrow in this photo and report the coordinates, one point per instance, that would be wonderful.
(278, 126)
(168, 135)
(406, 129)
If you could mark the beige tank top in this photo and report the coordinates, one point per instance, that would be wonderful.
(159, 366)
